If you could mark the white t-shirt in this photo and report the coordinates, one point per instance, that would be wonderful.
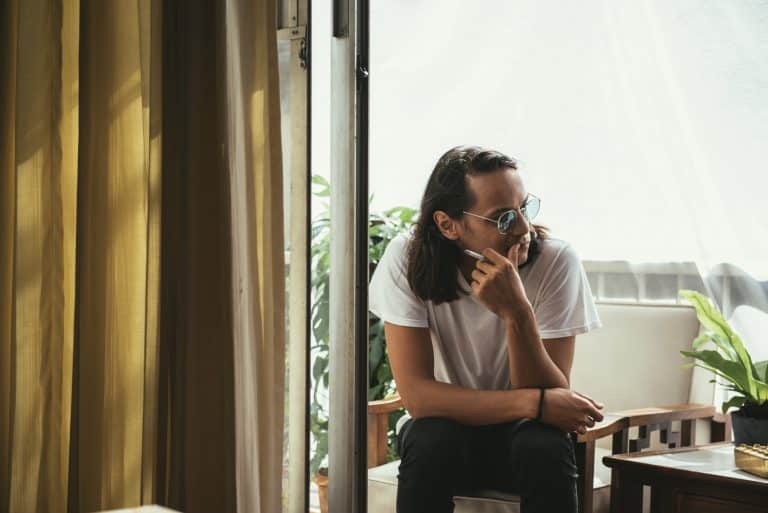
(468, 340)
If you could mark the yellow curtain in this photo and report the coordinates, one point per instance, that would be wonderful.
(38, 145)
(141, 256)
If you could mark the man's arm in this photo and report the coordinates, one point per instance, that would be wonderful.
(411, 357)
(561, 351)
(531, 362)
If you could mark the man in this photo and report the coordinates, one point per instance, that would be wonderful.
(482, 349)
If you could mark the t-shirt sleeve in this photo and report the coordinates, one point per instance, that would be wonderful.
(566, 306)
(389, 296)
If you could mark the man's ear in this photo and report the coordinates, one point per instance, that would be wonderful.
(448, 227)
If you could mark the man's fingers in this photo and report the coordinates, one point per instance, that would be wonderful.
(494, 256)
(594, 413)
(477, 275)
(512, 254)
(595, 403)
(484, 266)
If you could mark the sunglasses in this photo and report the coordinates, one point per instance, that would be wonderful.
(506, 221)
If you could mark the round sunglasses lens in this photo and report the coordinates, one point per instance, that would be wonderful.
(507, 221)
(532, 207)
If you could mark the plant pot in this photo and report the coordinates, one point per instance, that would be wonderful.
(321, 479)
(750, 425)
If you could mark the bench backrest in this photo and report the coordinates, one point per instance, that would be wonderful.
(634, 360)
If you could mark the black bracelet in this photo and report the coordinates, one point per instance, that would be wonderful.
(541, 404)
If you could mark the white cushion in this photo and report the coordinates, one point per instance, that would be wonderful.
(634, 360)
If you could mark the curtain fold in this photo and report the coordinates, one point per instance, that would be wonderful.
(116, 262)
(39, 146)
(141, 256)
(8, 17)
(253, 149)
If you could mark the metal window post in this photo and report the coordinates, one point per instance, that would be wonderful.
(349, 259)
(293, 26)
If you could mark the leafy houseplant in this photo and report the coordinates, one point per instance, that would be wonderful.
(730, 361)
(383, 227)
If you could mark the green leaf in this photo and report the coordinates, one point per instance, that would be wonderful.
(730, 370)
(708, 315)
(708, 336)
(762, 370)
(374, 392)
(711, 318)
(373, 231)
(701, 340)
(323, 189)
(762, 392)
(319, 367)
(736, 401)
(384, 374)
(729, 386)
(375, 354)
(321, 450)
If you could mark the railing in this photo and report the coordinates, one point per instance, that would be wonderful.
(655, 283)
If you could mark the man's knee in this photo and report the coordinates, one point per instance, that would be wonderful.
(545, 450)
(432, 439)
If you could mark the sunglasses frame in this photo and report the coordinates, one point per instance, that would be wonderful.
(497, 221)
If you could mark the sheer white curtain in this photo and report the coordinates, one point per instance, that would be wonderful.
(642, 125)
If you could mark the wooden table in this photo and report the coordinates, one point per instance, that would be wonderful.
(701, 480)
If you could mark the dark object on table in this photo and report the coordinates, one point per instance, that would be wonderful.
(750, 425)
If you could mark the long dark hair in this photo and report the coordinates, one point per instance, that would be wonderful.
(432, 259)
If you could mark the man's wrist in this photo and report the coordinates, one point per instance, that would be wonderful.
(528, 402)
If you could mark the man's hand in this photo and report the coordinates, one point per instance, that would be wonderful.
(497, 284)
(570, 411)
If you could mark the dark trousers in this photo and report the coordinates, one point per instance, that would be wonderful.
(441, 458)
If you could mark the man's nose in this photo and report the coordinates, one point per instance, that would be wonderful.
(521, 227)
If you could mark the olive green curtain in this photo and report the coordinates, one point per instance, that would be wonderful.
(141, 256)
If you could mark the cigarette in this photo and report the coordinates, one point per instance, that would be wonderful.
(474, 255)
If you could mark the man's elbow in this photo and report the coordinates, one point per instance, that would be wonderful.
(412, 407)
(414, 403)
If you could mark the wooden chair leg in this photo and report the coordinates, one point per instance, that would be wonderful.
(620, 442)
(626, 494)
(585, 461)
(720, 431)
(688, 433)
(662, 500)
(377, 439)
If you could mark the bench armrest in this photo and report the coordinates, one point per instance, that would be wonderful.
(615, 422)
(378, 424)
(385, 406)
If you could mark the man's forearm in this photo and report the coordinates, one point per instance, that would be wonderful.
(431, 398)
(529, 362)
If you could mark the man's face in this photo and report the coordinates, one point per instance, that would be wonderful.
(495, 193)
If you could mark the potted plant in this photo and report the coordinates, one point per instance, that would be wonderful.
(383, 227)
(731, 362)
